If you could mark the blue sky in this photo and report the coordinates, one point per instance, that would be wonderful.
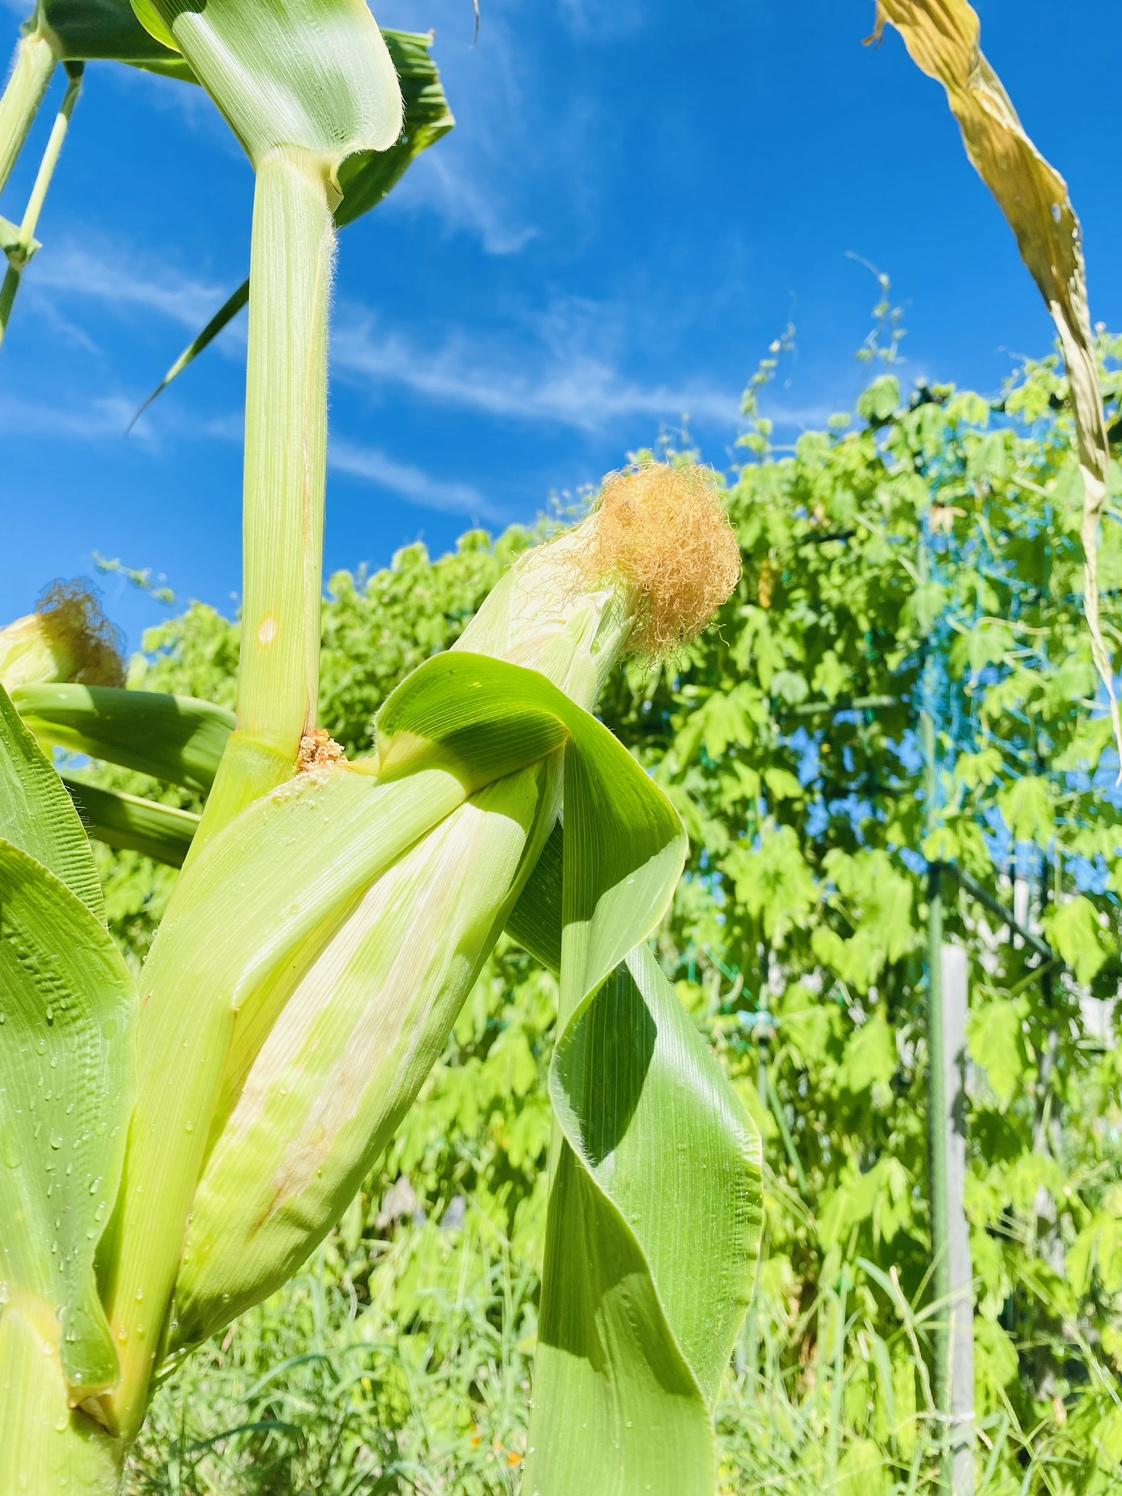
(629, 211)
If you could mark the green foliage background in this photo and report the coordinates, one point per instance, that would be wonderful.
(401, 1361)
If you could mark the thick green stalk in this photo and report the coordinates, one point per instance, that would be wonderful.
(24, 248)
(285, 467)
(31, 73)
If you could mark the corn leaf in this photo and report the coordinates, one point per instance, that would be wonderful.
(36, 813)
(67, 1004)
(108, 30)
(131, 823)
(365, 178)
(174, 738)
(654, 1206)
(311, 75)
(943, 40)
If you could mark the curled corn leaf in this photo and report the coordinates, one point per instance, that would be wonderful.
(37, 815)
(654, 1205)
(34, 1396)
(132, 823)
(311, 75)
(107, 30)
(943, 40)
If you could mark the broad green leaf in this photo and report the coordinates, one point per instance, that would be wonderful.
(131, 823)
(364, 178)
(996, 1042)
(173, 738)
(66, 1082)
(312, 75)
(1026, 804)
(870, 1057)
(1074, 930)
(880, 401)
(36, 813)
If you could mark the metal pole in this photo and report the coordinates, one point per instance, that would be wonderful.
(946, 1126)
(937, 1136)
(959, 1459)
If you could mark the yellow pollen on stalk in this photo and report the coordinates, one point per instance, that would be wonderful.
(318, 749)
(267, 631)
(663, 532)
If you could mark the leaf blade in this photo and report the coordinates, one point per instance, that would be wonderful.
(68, 1014)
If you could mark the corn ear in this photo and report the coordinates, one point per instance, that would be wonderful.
(67, 638)
(349, 1053)
(279, 877)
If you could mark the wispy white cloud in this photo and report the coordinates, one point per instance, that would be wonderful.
(566, 364)
(101, 418)
(119, 277)
(465, 202)
(554, 371)
(480, 179)
(413, 484)
(106, 418)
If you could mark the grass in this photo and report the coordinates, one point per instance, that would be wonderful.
(408, 1372)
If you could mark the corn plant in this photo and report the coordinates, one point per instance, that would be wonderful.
(176, 1144)
(72, 33)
